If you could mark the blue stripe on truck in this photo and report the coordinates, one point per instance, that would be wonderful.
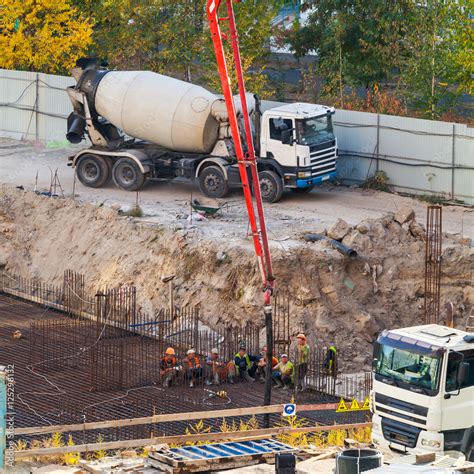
(304, 183)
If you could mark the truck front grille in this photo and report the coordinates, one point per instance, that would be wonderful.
(323, 161)
(402, 405)
(400, 415)
(400, 433)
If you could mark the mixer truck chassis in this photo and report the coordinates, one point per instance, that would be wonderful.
(130, 168)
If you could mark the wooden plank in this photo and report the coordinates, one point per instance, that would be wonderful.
(169, 417)
(200, 415)
(182, 439)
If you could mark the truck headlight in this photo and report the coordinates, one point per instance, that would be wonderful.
(304, 174)
(432, 443)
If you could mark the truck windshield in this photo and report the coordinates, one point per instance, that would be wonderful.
(412, 370)
(315, 130)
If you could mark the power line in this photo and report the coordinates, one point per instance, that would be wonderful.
(413, 132)
(350, 154)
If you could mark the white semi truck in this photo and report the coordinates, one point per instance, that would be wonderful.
(423, 392)
(144, 125)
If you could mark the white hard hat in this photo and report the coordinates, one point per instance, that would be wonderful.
(214, 351)
(191, 351)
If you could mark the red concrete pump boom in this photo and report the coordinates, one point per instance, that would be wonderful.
(246, 160)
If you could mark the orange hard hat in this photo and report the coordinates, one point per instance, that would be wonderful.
(301, 336)
(170, 351)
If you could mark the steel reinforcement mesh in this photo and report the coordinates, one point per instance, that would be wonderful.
(56, 383)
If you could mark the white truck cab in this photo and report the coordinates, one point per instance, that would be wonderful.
(299, 138)
(423, 391)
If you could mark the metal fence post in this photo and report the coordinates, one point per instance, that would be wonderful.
(377, 144)
(3, 416)
(37, 109)
(453, 160)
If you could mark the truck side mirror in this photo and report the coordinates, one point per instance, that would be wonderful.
(463, 373)
(287, 137)
(374, 363)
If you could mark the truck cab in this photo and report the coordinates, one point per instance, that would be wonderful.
(423, 391)
(298, 139)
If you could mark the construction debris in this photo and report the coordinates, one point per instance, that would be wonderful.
(404, 214)
(339, 230)
(429, 463)
(55, 469)
(112, 465)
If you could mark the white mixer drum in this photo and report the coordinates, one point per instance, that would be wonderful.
(159, 109)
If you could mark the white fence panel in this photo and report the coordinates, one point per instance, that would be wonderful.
(418, 156)
(355, 131)
(417, 143)
(463, 179)
(34, 106)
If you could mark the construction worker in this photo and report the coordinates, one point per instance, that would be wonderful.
(193, 367)
(246, 364)
(284, 372)
(169, 368)
(217, 370)
(262, 363)
(330, 361)
(302, 360)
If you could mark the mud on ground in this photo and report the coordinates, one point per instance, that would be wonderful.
(334, 299)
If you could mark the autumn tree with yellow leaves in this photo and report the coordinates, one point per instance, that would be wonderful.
(42, 35)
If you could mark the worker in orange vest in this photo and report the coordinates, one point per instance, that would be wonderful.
(193, 367)
(262, 363)
(217, 370)
(169, 367)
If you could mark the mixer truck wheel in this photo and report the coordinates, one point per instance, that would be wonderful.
(213, 183)
(92, 170)
(271, 186)
(127, 175)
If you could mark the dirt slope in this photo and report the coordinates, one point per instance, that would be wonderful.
(335, 299)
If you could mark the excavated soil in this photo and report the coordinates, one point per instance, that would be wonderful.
(335, 299)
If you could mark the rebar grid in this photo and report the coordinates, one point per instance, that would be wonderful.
(74, 369)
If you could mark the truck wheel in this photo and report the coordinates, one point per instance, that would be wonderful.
(271, 186)
(127, 175)
(302, 190)
(92, 170)
(213, 183)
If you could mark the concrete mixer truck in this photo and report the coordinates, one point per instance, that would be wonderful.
(144, 125)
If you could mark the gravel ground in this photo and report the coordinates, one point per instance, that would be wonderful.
(165, 202)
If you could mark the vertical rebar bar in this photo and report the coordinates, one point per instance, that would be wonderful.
(433, 264)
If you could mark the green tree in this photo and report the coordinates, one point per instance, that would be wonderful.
(172, 37)
(42, 35)
(438, 64)
(254, 26)
(161, 35)
(358, 43)
(126, 33)
(183, 36)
